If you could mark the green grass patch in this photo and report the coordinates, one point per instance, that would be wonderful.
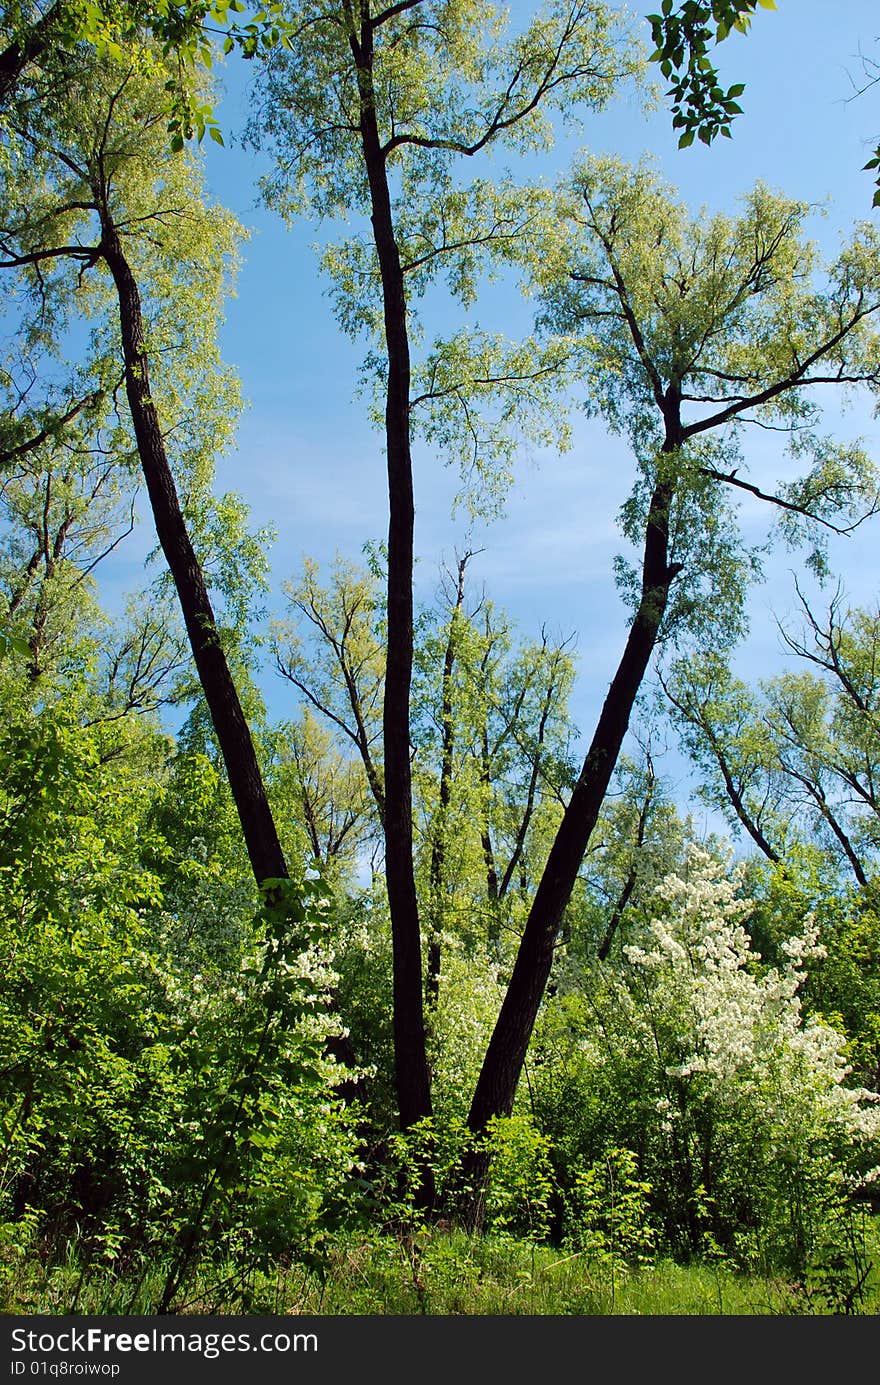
(439, 1273)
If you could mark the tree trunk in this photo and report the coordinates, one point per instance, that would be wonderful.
(233, 734)
(27, 49)
(412, 1075)
(496, 1086)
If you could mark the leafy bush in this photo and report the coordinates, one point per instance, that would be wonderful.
(608, 1210)
(150, 1114)
(701, 1061)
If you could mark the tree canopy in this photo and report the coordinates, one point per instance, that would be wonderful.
(426, 949)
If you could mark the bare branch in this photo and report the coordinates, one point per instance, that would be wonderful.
(731, 479)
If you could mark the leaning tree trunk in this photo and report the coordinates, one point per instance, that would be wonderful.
(503, 1063)
(233, 734)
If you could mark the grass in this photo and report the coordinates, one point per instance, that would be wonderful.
(438, 1273)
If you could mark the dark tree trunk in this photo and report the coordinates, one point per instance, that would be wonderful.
(27, 49)
(505, 1055)
(410, 1053)
(233, 734)
(737, 801)
(817, 794)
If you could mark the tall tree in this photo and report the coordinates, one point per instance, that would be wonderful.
(369, 113)
(109, 199)
(696, 328)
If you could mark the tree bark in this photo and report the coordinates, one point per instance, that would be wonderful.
(496, 1086)
(233, 734)
(525, 821)
(486, 786)
(412, 1074)
(15, 57)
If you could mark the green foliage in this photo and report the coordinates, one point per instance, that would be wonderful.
(875, 163)
(843, 983)
(183, 252)
(465, 78)
(177, 1121)
(683, 36)
(81, 978)
(703, 1063)
(147, 1110)
(12, 644)
(794, 760)
(265, 1146)
(184, 31)
(208, 894)
(842, 1279)
(519, 1191)
(518, 1197)
(689, 330)
(607, 1212)
(639, 839)
(490, 733)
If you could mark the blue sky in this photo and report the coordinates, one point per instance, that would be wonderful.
(308, 462)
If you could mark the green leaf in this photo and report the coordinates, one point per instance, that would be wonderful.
(13, 644)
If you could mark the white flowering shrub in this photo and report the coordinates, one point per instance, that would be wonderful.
(702, 1061)
(460, 1026)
